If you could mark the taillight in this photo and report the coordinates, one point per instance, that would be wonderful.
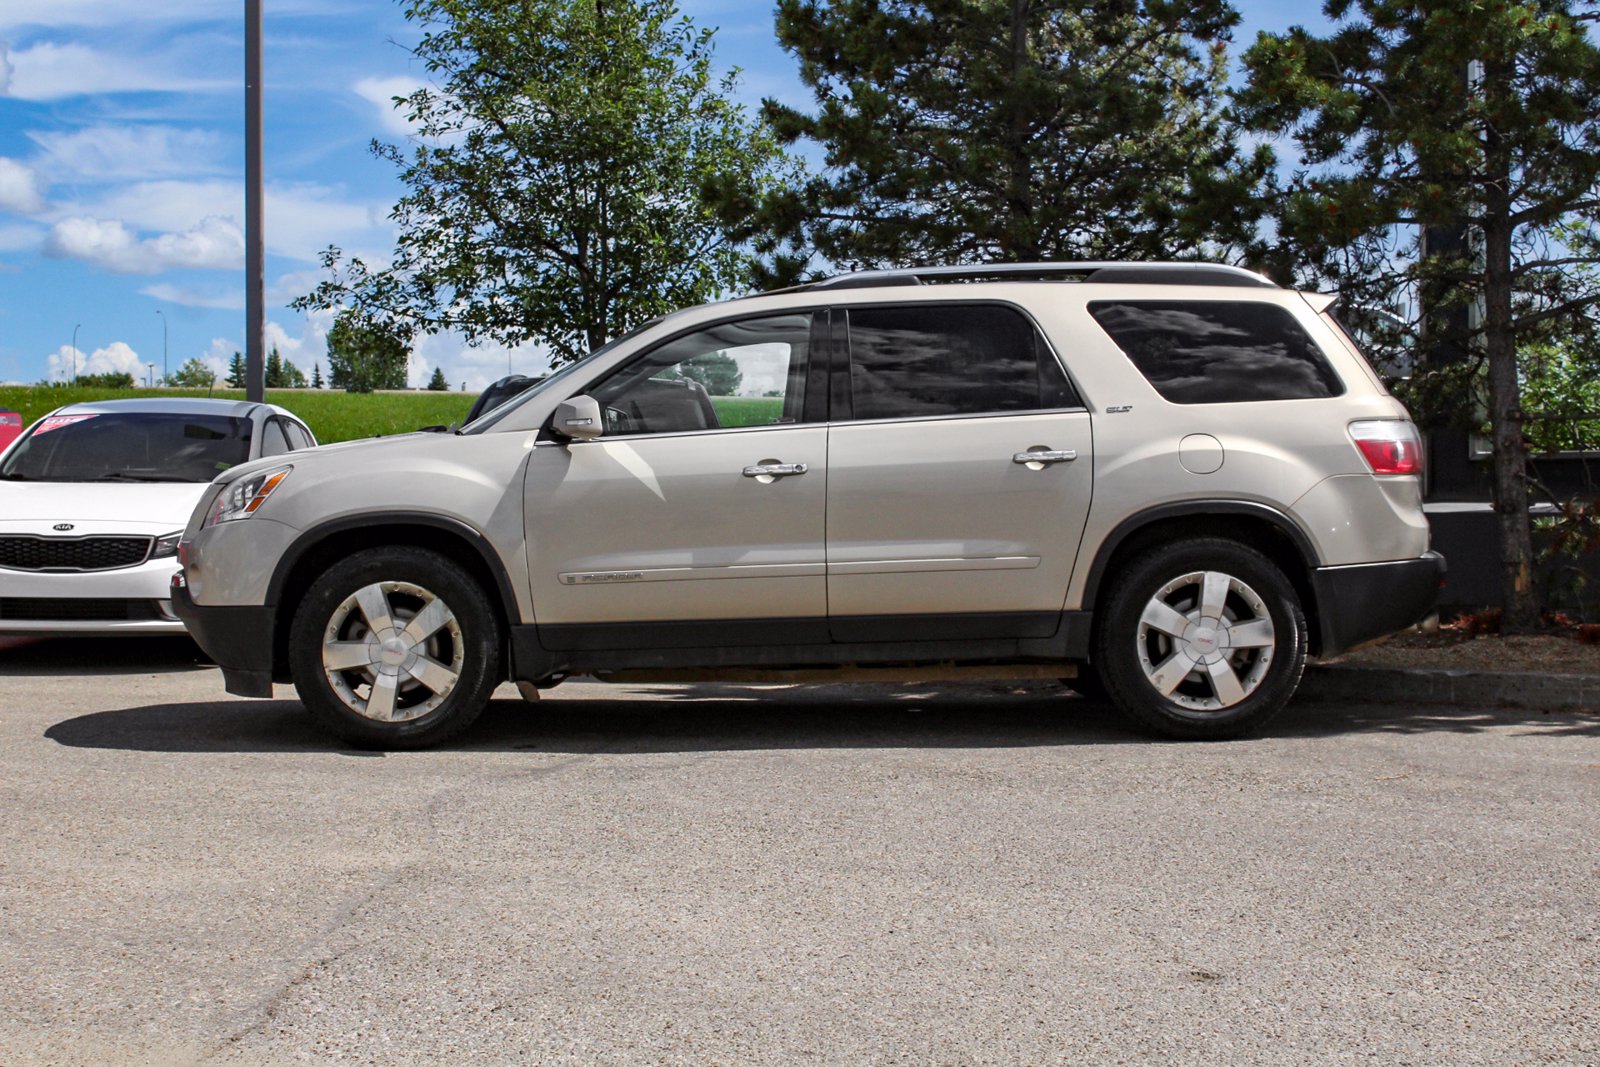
(1390, 446)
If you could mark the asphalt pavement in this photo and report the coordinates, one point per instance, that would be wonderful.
(732, 874)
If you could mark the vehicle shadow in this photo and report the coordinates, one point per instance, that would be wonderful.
(22, 657)
(672, 719)
(725, 717)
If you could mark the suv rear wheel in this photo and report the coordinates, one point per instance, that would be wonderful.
(1202, 639)
(395, 648)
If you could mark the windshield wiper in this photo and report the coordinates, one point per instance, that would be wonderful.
(16, 477)
(129, 476)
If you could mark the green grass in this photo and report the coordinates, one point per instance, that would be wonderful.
(748, 410)
(339, 416)
(332, 416)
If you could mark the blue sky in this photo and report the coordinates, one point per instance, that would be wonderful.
(122, 162)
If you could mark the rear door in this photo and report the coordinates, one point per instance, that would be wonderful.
(959, 474)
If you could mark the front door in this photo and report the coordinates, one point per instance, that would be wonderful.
(697, 518)
(958, 478)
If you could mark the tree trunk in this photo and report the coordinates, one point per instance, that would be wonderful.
(1521, 612)
(1018, 240)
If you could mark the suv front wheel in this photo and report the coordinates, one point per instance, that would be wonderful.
(395, 647)
(1202, 639)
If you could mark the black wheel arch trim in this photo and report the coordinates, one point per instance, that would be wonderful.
(319, 533)
(1139, 520)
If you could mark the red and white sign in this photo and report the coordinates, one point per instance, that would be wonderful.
(55, 422)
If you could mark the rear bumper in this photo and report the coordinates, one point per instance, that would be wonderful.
(1370, 600)
(237, 638)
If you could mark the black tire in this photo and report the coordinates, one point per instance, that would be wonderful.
(1260, 640)
(468, 646)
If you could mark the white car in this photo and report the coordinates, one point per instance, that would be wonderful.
(93, 498)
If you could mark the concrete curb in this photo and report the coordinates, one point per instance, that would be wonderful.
(1467, 689)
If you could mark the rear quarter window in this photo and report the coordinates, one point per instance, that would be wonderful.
(1218, 352)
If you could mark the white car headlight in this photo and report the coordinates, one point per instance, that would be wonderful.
(167, 545)
(240, 499)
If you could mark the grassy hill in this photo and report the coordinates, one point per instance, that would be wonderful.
(332, 416)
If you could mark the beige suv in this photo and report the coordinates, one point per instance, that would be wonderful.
(1166, 482)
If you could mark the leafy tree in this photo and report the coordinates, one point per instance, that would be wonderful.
(316, 376)
(1402, 141)
(437, 383)
(194, 374)
(236, 371)
(363, 356)
(1011, 130)
(562, 184)
(717, 371)
(108, 380)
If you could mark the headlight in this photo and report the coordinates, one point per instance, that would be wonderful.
(240, 499)
(167, 545)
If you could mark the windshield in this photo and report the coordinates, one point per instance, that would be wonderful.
(129, 446)
(495, 414)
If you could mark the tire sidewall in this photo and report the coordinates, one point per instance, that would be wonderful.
(1116, 649)
(480, 635)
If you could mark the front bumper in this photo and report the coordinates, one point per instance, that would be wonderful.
(1358, 603)
(238, 638)
(125, 600)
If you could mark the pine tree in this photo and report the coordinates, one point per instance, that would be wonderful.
(437, 383)
(316, 375)
(236, 371)
(1011, 130)
(275, 378)
(1415, 120)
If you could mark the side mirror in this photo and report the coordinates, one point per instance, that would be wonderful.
(579, 419)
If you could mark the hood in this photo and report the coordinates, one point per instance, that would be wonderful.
(310, 455)
(97, 507)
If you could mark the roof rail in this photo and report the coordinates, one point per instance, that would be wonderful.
(1158, 273)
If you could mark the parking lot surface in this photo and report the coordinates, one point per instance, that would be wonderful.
(980, 873)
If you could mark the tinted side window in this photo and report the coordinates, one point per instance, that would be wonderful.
(1205, 352)
(943, 359)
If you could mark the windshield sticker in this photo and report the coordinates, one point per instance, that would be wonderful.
(55, 422)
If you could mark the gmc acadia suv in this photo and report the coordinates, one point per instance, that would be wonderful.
(1167, 482)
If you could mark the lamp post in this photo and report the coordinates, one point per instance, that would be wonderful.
(75, 353)
(150, 375)
(166, 376)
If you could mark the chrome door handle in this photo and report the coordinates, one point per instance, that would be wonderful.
(774, 470)
(1045, 455)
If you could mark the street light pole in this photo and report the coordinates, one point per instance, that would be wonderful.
(75, 353)
(150, 375)
(166, 375)
(255, 253)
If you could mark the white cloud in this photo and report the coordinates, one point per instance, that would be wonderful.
(476, 365)
(19, 188)
(5, 69)
(112, 359)
(380, 92)
(300, 219)
(228, 299)
(99, 13)
(215, 243)
(304, 349)
(126, 152)
(50, 71)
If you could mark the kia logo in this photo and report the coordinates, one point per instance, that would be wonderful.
(63, 526)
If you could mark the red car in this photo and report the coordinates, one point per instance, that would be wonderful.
(10, 428)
